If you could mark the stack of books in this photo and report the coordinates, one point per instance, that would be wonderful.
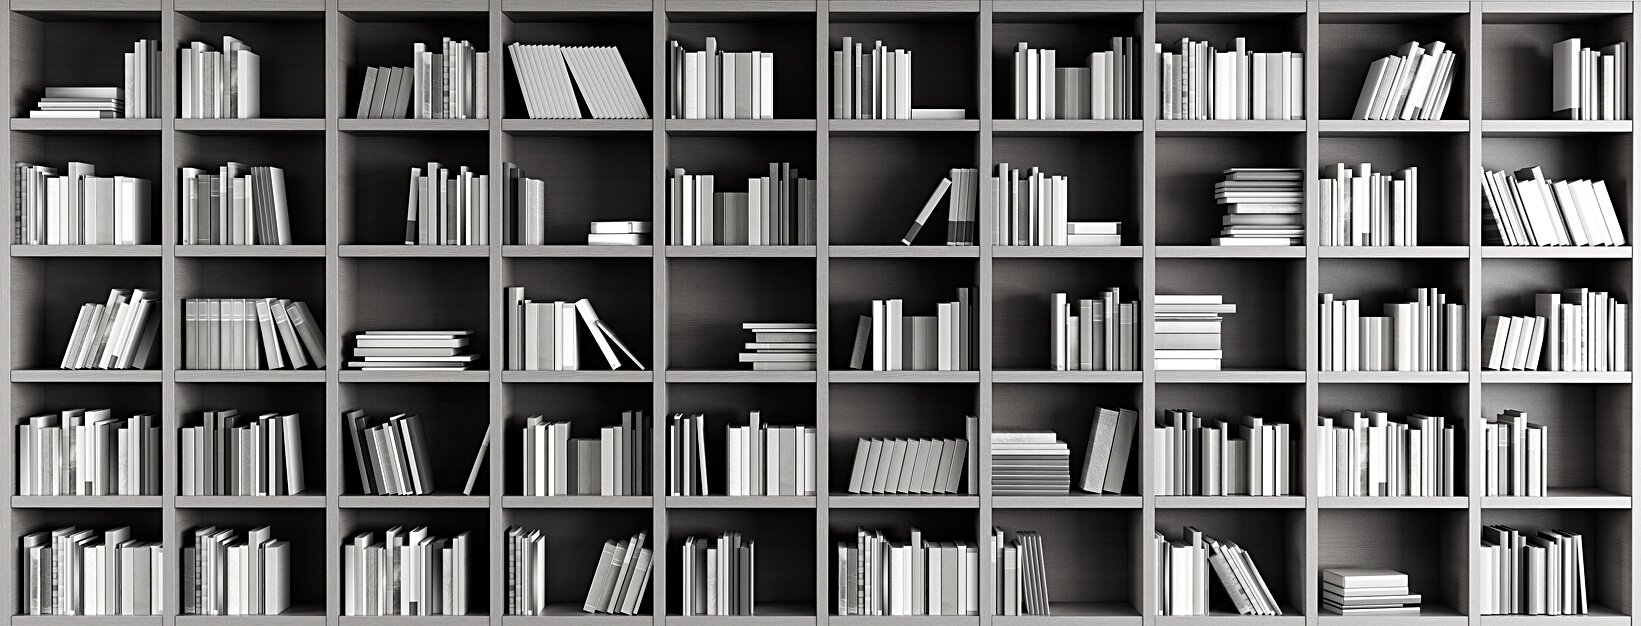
(618, 233)
(1577, 330)
(1188, 331)
(230, 454)
(251, 333)
(1201, 83)
(1365, 453)
(1032, 211)
(117, 334)
(81, 103)
(1357, 591)
(238, 205)
(411, 573)
(1182, 576)
(766, 460)
(622, 576)
(1264, 206)
(601, 77)
(88, 452)
(80, 208)
(687, 455)
(962, 208)
(1589, 84)
(775, 210)
(876, 84)
(1021, 573)
(542, 335)
(615, 463)
(1412, 84)
(411, 350)
(447, 208)
(1027, 463)
(1515, 456)
(387, 93)
(720, 576)
(1533, 573)
(77, 571)
(224, 574)
(452, 83)
(1360, 207)
(713, 84)
(877, 576)
(1246, 456)
(526, 571)
(1101, 90)
(391, 453)
(917, 465)
(1110, 443)
(780, 346)
(1426, 335)
(1525, 208)
(224, 83)
(890, 341)
(1097, 335)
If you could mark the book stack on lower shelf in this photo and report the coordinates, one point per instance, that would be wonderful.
(890, 341)
(1532, 573)
(1360, 207)
(412, 350)
(1188, 331)
(1355, 591)
(1526, 208)
(1029, 463)
(1413, 84)
(411, 573)
(719, 575)
(88, 452)
(878, 576)
(234, 455)
(622, 575)
(251, 334)
(1097, 335)
(1365, 453)
(224, 574)
(1021, 573)
(79, 571)
(392, 454)
(116, 335)
(765, 460)
(1426, 335)
(1577, 330)
(1110, 443)
(1222, 457)
(1264, 206)
(616, 463)
(1515, 456)
(780, 346)
(1182, 576)
(80, 207)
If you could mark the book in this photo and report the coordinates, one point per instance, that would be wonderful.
(545, 71)
(445, 207)
(1370, 453)
(1110, 442)
(1032, 209)
(1088, 335)
(478, 463)
(1588, 83)
(783, 346)
(74, 571)
(1178, 320)
(718, 575)
(623, 561)
(875, 83)
(911, 466)
(248, 334)
(1532, 572)
(88, 452)
(1425, 334)
(896, 341)
(426, 350)
(1527, 208)
(1219, 457)
(1182, 587)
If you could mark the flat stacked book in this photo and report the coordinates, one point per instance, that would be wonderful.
(621, 577)
(1032, 210)
(1360, 207)
(1589, 84)
(224, 573)
(450, 83)
(238, 205)
(775, 210)
(766, 460)
(909, 466)
(1515, 456)
(877, 576)
(223, 83)
(1526, 208)
(543, 336)
(88, 452)
(780, 346)
(875, 83)
(1202, 83)
(412, 350)
(890, 341)
(1365, 591)
(544, 71)
(1110, 444)
(715, 84)
(1532, 573)
(230, 454)
(118, 334)
(1182, 576)
(1246, 456)
(410, 573)
(79, 571)
(81, 103)
(618, 233)
(720, 575)
(1264, 206)
(615, 463)
(962, 186)
(391, 454)
(1025, 463)
(447, 208)
(1425, 335)
(1412, 84)
(1101, 89)
(251, 333)
(1188, 331)
(1577, 330)
(80, 208)
(1368, 453)
(1020, 573)
(1093, 334)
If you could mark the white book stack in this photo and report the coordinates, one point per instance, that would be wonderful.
(1589, 84)
(601, 77)
(780, 346)
(1188, 331)
(447, 208)
(226, 574)
(1020, 573)
(877, 576)
(221, 83)
(238, 205)
(1360, 207)
(1093, 334)
(118, 334)
(1027, 463)
(387, 93)
(1425, 335)
(1183, 571)
(1032, 210)
(80, 208)
(250, 334)
(775, 210)
(765, 460)
(1357, 591)
(615, 463)
(875, 83)
(1247, 456)
(1412, 84)
(914, 466)
(1515, 456)
(1532, 573)
(60, 103)
(687, 455)
(1202, 83)
(618, 233)
(1577, 330)
(230, 454)
(1101, 89)
(391, 453)
(720, 575)
(1110, 444)
(409, 573)
(963, 187)
(622, 576)
(1527, 209)
(411, 350)
(526, 571)
(1367, 453)
(890, 341)
(88, 452)
(1264, 206)
(77, 571)
(714, 84)
(543, 336)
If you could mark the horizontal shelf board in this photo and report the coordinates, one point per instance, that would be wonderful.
(86, 620)
(1557, 252)
(918, 620)
(251, 5)
(908, 6)
(400, 620)
(288, 618)
(1561, 498)
(1393, 502)
(1231, 6)
(867, 127)
(259, 125)
(304, 501)
(1076, 614)
(469, 376)
(86, 251)
(576, 126)
(1201, 127)
(1347, 128)
(1230, 376)
(741, 6)
(740, 502)
(1063, 127)
(410, 125)
(298, 251)
(1563, 8)
(547, 6)
(250, 376)
(1391, 6)
(85, 376)
(109, 125)
(411, 251)
(713, 127)
(574, 616)
(1394, 377)
(577, 502)
(1042, 376)
(435, 501)
(1506, 128)
(1429, 613)
(1557, 377)
(1600, 615)
(896, 501)
(753, 252)
(1393, 252)
(764, 614)
(862, 376)
(1067, 6)
(1068, 501)
(1067, 252)
(516, 251)
(85, 502)
(1218, 615)
(739, 376)
(1231, 252)
(904, 252)
(579, 376)
(1230, 502)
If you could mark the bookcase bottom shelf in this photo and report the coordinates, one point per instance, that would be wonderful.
(1076, 614)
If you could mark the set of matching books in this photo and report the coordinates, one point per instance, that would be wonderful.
(618, 233)
(1096, 335)
(1021, 573)
(1182, 576)
(1367, 453)
(225, 83)
(386, 93)
(251, 333)
(1188, 331)
(720, 575)
(118, 334)
(224, 574)
(1361, 207)
(411, 573)
(891, 341)
(1412, 84)
(391, 454)
(1426, 335)
(1110, 443)
(622, 576)
(236, 206)
(877, 576)
(615, 463)
(1577, 330)
(81, 103)
(1245, 456)
(775, 210)
(447, 208)
(1032, 211)
(79, 208)
(1528, 573)
(1515, 456)
(767, 460)
(230, 454)
(1527, 209)
(1104, 90)
(88, 452)
(780, 346)
(1201, 83)
(963, 183)
(1353, 591)
(77, 571)
(908, 466)
(411, 350)
(544, 72)
(715, 84)
(876, 84)
(542, 335)
(1264, 206)
(1026, 463)
(526, 571)
(1589, 84)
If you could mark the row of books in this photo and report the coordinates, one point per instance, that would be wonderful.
(915, 465)
(622, 575)
(1367, 591)
(1577, 330)
(1093, 334)
(387, 93)
(778, 209)
(225, 574)
(1021, 573)
(1201, 83)
(1264, 206)
(963, 205)
(527, 567)
(1103, 90)
(715, 84)
(412, 350)
(1361, 207)
(1110, 444)
(1515, 456)
(720, 575)
(411, 572)
(53, 208)
(780, 346)
(391, 453)
(80, 571)
(601, 77)
(878, 576)
(1245, 456)
(116, 334)
(230, 454)
(1367, 453)
(543, 335)
(1187, 328)
(1032, 211)
(251, 333)
(142, 80)
(766, 460)
(524, 206)
(220, 83)
(1027, 463)
(1589, 84)
(138, 97)
(238, 205)
(1182, 576)
(447, 208)
(875, 83)
(1532, 573)
(1426, 335)
(451, 82)
(1526, 208)
(1412, 84)
(889, 340)
(88, 452)
(615, 463)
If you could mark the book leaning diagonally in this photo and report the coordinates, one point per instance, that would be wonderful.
(590, 318)
(928, 209)
(478, 462)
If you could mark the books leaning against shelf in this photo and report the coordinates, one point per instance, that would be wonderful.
(1032, 208)
(544, 71)
(223, 574)
(1367, 453)
(448, 208)
(780, 346)
(1577, 330)
(1188, 331)
(1360, 207)
(1264, 206)
(889, 341)
(1182, 576)
(775, 210)
(1093, 334)
(542, 335)
(876, 84)
(1202, 83)
(1103, 89)
(386, 93)
(391, 453)
(615, 463)
(251, 333)
(917, 465)
(1515, 456)
(88, 452)
(77, 571)
(765, 460)
(622, 576)
(225, 83)
(1110, 443)
(1527, 209)
(715, 84)
(1351, 591)
(719, 575)
(452, 83)
(233, 455)
(238, 205)
(963, 185)
(1532, 573)
(411, 350)
(1412, 84)
(1246, 456)
(1589, 84)
(618, 233)
(80, 208)
(877, 576)
(1426, 335)
(412, 572)
(1025, 463)
(116, 335)
(1021, 573)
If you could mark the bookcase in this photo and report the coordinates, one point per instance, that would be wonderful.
(680, 308)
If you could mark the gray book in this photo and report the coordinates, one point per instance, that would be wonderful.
(858, 474)
(1098, 456)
